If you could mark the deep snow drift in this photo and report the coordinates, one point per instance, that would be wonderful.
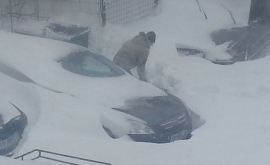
(233, 99)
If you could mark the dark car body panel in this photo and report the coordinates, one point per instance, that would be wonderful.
(167, 116)
(177, 128)
(11, 133)
(154, 109)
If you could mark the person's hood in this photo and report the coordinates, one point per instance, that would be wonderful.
(141, 39)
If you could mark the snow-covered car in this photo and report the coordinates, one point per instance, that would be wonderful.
(125, 105)
(245, 43)
(12, 118)
(63, 28)
(157, 119)
(10, 130)
(149, 119)
(238, 44)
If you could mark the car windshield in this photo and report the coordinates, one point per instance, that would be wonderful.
(87, 63)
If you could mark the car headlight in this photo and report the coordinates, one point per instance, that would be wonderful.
(139, 128)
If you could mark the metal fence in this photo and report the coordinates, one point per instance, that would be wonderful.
(126, 11)
(68, 6)
(17, 11)
(111, 11)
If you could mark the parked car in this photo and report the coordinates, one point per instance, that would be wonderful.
(126, 105)
(157, 119)
(149, 119)
(245, 43)
(57, 29)
(11, 131)
(13, 120)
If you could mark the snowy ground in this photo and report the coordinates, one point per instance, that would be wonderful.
(234, 99)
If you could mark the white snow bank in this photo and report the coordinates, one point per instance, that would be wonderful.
(8, 161)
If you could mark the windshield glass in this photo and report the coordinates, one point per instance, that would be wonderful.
(90, 64)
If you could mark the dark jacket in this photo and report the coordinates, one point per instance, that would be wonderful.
(134, 53)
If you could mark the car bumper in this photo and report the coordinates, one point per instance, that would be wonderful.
(161, 138)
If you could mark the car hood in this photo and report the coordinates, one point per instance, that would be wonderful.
(154, 110)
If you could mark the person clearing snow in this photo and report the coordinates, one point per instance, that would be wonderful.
(134, 53)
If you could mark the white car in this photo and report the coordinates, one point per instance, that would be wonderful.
(118, 102)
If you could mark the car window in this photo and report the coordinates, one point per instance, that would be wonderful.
(90, 64)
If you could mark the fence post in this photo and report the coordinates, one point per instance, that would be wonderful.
(103, 14)
(38, 10)
(10, 14)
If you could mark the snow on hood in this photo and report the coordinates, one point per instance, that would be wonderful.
(40, 64)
